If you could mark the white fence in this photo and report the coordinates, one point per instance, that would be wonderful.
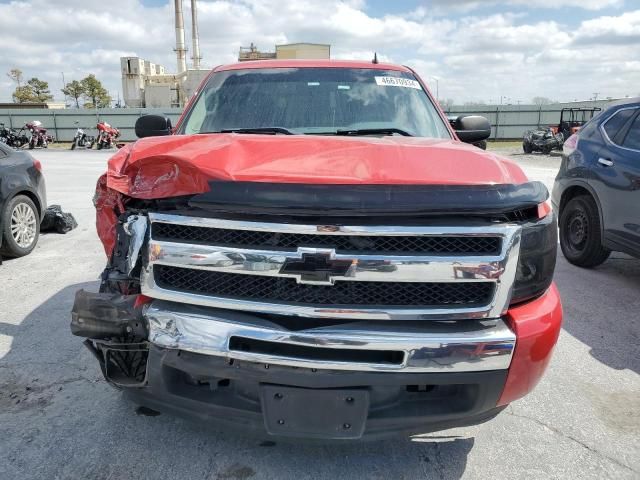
(508, 121)
(62, 123)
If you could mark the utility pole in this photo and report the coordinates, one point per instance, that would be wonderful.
(595, 96)
(64, 85)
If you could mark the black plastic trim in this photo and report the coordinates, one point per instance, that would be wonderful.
(105, 315)
(228, 398)
(265, 347)
(251, 198)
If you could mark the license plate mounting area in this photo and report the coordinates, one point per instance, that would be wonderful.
(314, 413)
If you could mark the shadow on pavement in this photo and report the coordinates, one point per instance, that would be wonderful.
(59, 419)
(602, 308)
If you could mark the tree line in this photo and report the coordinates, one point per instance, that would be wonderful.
(34, 90)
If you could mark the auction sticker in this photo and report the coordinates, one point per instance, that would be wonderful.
(398, 82)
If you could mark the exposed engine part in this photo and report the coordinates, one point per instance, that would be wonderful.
(122, 272)
(135, 227)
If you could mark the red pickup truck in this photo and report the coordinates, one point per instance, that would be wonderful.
(315, 251)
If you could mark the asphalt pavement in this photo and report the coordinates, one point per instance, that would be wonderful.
(59, 419)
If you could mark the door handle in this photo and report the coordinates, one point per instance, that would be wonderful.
(605, 162)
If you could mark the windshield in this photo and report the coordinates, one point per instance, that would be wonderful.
(315, 101)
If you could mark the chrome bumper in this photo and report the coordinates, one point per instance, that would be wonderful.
(454, 346)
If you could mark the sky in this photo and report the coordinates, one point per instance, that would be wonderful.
(469, 50)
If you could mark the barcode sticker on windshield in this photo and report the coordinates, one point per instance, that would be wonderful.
(398, 82)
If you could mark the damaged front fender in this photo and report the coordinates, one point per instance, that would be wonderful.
(109, 204)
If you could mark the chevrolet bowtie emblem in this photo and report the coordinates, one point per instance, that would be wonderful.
(316, 268)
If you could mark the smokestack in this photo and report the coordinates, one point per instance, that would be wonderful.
(181, 51)
(195, 36)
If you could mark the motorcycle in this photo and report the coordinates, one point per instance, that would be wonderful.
(10, 137)
(544, 140)
(106, 135)
(39, 136)
(6, 134)
(81, 139)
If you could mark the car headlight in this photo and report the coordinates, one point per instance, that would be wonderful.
(538, 249)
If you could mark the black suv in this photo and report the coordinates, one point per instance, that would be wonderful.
(597, 190)
(22, 202)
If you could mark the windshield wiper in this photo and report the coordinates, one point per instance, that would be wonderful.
(374, 131)
(267, 130)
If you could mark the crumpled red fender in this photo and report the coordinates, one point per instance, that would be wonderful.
(108, 204)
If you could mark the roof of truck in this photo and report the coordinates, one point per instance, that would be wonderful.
(311, 64)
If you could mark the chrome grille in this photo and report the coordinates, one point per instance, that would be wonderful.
(352, 294)
(392, 245)
(386, 272)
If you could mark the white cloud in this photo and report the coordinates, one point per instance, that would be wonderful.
(611, 30)
(585, 4)
(475, 57)
(444, 7)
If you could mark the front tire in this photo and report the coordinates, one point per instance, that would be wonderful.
(526, 146)
(20, 227)
(580, 233)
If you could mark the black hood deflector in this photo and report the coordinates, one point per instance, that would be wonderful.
(295, 199)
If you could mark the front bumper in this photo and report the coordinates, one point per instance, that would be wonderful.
(374, 346)
(236, 395)
(250, 372)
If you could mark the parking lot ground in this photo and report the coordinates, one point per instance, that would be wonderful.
(59, 419)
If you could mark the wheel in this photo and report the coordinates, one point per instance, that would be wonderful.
(20, 227)
(73, 144)
(32, 145)
(526, 146)
(580, 235)
(99, 146)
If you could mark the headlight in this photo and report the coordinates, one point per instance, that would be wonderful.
(538, 248)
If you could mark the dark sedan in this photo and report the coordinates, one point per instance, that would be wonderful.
(22, 202)
(597, 190)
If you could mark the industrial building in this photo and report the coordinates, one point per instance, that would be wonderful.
(287, 51)
(147, 84)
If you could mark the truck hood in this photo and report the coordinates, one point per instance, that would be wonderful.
(176, 165)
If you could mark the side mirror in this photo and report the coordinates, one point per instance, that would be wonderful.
(153, 126)
(472, 128)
